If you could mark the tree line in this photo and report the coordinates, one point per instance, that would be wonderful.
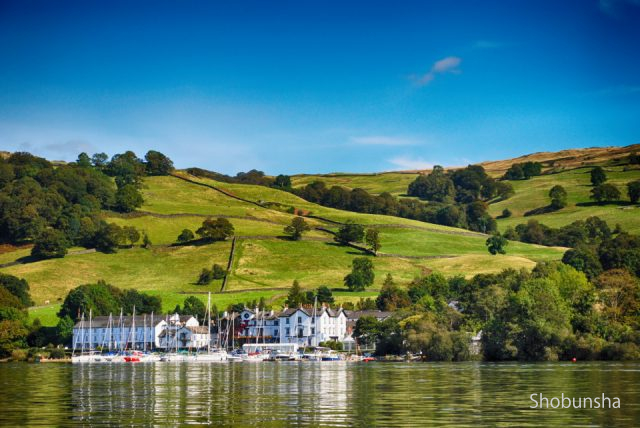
(59, 206)
(553, 312)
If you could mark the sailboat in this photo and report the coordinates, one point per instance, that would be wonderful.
(90, 355)
(212, 355)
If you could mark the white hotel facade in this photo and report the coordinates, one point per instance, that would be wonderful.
(302, 326)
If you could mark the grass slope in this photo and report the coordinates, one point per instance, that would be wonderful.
(534, 193)
(265, 264)
(395, 183)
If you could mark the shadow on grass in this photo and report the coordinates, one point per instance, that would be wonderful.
(601, 204)
(542, 210)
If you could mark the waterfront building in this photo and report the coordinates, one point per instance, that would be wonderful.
(139, 332)
(304, 326)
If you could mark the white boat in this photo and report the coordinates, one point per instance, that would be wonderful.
(210, 356)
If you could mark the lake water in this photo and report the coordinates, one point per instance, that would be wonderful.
(313, 394)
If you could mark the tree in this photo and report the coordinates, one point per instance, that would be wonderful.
(605, 193)
(361, 275)
(64, 330)
(205, 278)
(633, 190)
(496, 243)
(282, 181)
(127, 168)
(99, 160)
(372, 238)
(101, 298)
(558, 197)
(83, 160)
(324, 295)
(128, 198)
(436, 186)
(215, 230)
(295, 298)
(185, 236)
(583, 259)
(146, 242)
(194, 306)
(506, 213)
(504, 190)
(619, 293)
(12, 336)
(50, 244)
(634, 158)
(297, 227)
(598, 176)
(515, 172)
(392, 297)
(531, 169)
(17, 287)
(108, 237)
(350, 232)
(218, 271)
(157, 163)
(130, 234)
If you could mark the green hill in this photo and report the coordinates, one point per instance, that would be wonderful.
(265, 263)
(534, 193)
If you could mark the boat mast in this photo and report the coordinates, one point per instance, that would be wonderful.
(209, 323)
(90, 333)
(121, 322)
(133, 329)
(144, 334)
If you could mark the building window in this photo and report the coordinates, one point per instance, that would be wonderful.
(287, 320)
(275, 332)
(288, 331)
(276, 322)
(299, 320)
(313, 320)
(313, 330)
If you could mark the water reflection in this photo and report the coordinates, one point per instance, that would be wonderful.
(313, 394)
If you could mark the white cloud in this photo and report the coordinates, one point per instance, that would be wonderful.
(383, 140)
(408, 163)
(445, 65)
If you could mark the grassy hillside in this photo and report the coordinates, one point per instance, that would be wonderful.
(395, 183)
(534, 193)
(265, 262)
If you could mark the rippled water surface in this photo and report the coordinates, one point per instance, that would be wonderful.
(314, 394)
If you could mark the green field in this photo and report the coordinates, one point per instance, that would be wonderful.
(534, 193)
(395, 183)
(265, 263)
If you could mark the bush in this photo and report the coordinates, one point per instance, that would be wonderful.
(218, 272)
(185, 236)
(50, 244)
(506, 213)
(19, 355)
(332, 344)
(621, 351)
(57, 354)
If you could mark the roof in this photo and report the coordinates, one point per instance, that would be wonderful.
(103, 321)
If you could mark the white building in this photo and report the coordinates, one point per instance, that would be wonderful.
(302, 326)
(187, 336)
(128, 332)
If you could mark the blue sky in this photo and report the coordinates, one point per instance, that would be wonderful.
(306, 86)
